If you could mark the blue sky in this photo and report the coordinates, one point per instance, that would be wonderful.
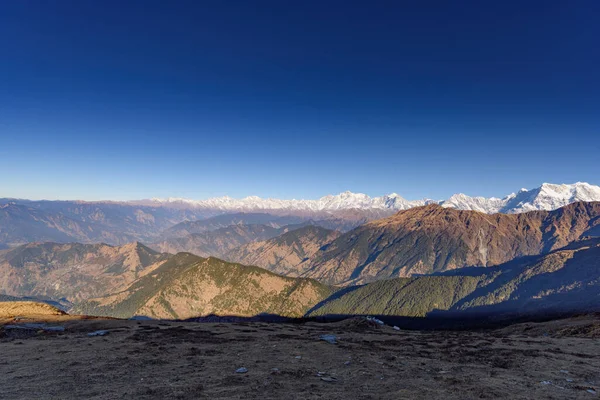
(137, 99)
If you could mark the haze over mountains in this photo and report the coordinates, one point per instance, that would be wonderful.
(220, 241)
(24, 221)
(73, 271)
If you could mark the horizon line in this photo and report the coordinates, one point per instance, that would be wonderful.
(184, 199)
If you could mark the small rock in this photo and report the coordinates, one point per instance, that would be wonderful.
(140, 318)
(569, 380)
(347, 363)
(332, 339)
(298, 357)
(54, 328)
(98, 333)
(328, 379)
(376, 320)
(396, 328)
(241, 370)
(275, 371)
(564, 371)
(546, 382)
(592, 391)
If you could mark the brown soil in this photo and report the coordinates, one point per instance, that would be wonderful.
(188, 360)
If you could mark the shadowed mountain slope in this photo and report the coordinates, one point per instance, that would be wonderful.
(430, 239)
(564, 280)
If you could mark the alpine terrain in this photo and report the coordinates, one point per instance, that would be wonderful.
(189, 286)
(432, 239)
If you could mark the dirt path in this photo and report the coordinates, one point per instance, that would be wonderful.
(151, 359)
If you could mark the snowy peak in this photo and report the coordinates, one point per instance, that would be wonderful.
(550, 197)
(463, 202)
(546, 197)
(343, 201)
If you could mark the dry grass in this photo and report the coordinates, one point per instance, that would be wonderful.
(11, 309)
(188, 360)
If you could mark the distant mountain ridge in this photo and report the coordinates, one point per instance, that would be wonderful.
(284, 254)
(185, 228)
(546, 197)
(25, 221)
(116, 223)
(219, 241)
(73, 271)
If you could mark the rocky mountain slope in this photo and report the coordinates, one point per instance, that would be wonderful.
(432, 239)
(190, 286)
(564, 280)
(220, 241)
(73, 271)
(285, 254)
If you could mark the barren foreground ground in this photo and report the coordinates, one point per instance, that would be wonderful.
(162, 360)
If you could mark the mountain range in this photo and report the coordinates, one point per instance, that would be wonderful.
(189, 286)
(286, 254)
(73, 271)
(155, 220)
(418, 261)
(185, 286)
(432, 239)
(220, 241)
(564, 280)
(546, 197)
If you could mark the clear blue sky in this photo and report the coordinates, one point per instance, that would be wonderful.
(296, 99)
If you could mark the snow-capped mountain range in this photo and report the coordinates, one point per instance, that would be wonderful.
(546, 197)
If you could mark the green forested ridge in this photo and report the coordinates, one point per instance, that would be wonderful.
(188, 286)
